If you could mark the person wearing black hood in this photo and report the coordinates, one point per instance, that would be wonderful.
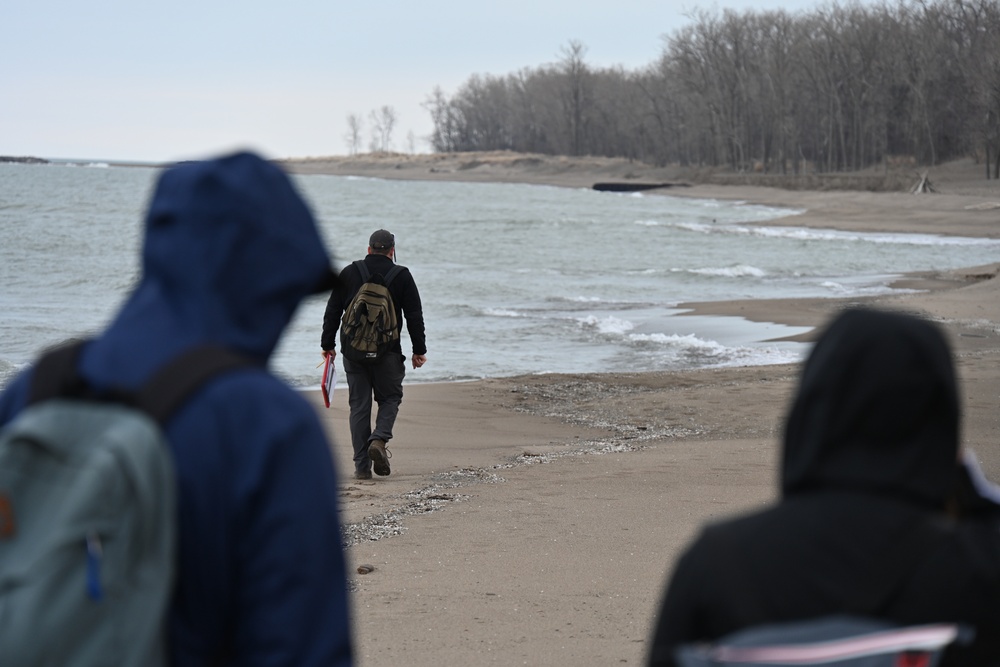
(879, 513)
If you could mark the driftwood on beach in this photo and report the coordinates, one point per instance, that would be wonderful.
(922, 186)
(632, 187)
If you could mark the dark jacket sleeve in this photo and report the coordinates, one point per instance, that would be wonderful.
(413, 313)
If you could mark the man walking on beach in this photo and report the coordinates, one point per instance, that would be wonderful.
(383, 378)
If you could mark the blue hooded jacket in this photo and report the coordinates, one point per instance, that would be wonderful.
(230, 250)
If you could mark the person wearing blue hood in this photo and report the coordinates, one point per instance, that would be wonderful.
(230, 251)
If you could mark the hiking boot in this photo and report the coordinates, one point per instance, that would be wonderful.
(362, 474)
(379, 456)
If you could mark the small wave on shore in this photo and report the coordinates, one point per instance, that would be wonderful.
(737, 271)
(683, 348)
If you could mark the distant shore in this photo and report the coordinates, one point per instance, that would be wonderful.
(533, 519)
(964, 204)
(22, 159)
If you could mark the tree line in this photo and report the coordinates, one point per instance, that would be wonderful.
(840, 88)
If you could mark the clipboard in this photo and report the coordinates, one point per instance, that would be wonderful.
(329, 382)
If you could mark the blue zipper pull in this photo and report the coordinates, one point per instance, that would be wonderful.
(94, 555)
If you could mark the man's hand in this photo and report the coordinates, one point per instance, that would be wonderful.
(419, 360)
(330, 353)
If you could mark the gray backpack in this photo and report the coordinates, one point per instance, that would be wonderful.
(87, 515)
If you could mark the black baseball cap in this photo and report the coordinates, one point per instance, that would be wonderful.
(382, 240)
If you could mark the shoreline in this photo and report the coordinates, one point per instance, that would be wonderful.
(964, 204)
(812, 312)
(533, 519)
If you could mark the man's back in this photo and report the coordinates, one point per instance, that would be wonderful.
(405, 296)
(830, 553)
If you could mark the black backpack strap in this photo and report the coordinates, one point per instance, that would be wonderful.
(363, 270)
(393, 272)
(56, 374)
(366, 274)
(169, 387)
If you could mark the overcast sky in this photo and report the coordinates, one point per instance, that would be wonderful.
(157, 81)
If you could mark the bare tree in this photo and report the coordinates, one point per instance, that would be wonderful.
(353, 135)
(977, 35)
(383, 123)
(444, 136)
(576, 99)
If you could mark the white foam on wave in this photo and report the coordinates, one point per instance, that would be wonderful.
(502, 312)
(931, 240)
(607, 325)
(840, 289)
(687, 342)
(712, 354)
(737, 271)
(811, 234)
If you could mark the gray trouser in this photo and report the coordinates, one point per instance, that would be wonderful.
(384, 381)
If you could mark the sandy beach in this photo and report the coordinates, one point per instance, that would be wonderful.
(533, 520)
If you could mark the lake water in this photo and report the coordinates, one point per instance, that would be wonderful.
(514, 278)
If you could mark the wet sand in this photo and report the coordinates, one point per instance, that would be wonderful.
(533, 520)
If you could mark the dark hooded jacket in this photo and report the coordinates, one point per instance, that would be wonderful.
(870, 464)
(230, 250)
